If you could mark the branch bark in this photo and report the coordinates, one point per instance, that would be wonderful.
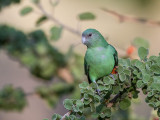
(76, 32)
(67, 114)
(123, 18)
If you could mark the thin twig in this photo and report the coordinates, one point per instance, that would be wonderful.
(123, 18)
(77, 32)
(74, 31)
(67, 114)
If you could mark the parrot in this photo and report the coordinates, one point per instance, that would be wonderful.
(101, 58)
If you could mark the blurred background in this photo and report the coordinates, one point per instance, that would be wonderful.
(41, 55)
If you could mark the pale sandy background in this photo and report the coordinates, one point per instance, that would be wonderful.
(120, 35)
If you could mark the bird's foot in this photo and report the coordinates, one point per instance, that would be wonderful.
(111, 75)
(98, 91)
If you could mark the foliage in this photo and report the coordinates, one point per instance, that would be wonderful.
(33, 50)
(56, 33)
(140, 42)
(5, 3)
(53, 92)
(12, 98)
(26, 10)
(86, 16)
(132, 76)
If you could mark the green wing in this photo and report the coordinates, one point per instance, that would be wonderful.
(86, 69)
(115, 55)
(116, 58)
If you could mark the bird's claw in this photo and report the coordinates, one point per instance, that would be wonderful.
(98, 91)
(112, 77)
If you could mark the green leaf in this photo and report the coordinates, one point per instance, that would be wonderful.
(133, 62)
(26, 11)
(86, 102)
(36, 1)
(127, 72)
(41, 20)
(86, 16)
(156, 79)
(80, 105)
(83, 85)
(56, 117)
(116, 89)
(143, 52)
(155, 86)
(101, 87)
(122, 77)
(56, 32)
(146, 78)
(95, 115)
(155, 68)
(68, 103)
(139, 84)
(120, 69)
(140, 42)
(106, 113)
(125, 104)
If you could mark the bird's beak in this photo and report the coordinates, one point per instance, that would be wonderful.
(83, 39)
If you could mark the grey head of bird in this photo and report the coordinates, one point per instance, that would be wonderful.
(93, 38)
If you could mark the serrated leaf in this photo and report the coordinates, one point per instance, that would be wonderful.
(68, 104)
(140, 42)
(122, 77)
(26, 10)
(106, 80)
(127, 72)
(56, 117)
(95, 115)
(133, 62)
(92, 107)
(80, 105)
(146, 78)
(105, 113)
(86, 96)
(108, 87)
(155, 68)
(120, 69)
(97, 98)
(116, 89)
(155, 86)
(86, 16)
(75, 109)
(41, 20)
(101, 87)
(56, 32)
(139, 84)
(86, 102)
(156, 79)
(143, 52)
(83, 85)
(125, 104)
(99, 82)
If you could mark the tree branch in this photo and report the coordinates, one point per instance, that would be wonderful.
(77, 32)
(67, 114)
(123, 18)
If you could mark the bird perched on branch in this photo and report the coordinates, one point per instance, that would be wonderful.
(101, 58)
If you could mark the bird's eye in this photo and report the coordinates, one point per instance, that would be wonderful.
(90, 35)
